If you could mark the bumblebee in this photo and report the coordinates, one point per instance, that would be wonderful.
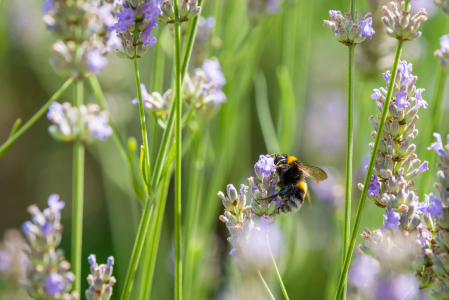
(292, 182)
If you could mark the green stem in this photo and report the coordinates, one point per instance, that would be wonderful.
(178, 160)
(281, 284)
(349, 153)
(78, 193)
(171, 117)
(265, 285)
(137, 250)
(142, 120)
(5, 147)
(358, 218)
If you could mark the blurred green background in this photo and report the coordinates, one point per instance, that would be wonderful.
(305, 71)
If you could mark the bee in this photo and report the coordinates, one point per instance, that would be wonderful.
(292, 182)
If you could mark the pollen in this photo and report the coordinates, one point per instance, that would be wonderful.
(291, 159)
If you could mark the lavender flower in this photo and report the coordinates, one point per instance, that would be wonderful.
(48, 273)
(251, 227)
(135, 26)
(91, 18)
(400, 25)
(401, 242)
(395, 162)
(65, 123)
(100, 280)
(154, 102)
(443, 53)
(203, 90)
(348, 32)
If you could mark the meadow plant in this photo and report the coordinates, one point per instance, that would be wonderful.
(443, 53)
(399, 24)
(48, 274)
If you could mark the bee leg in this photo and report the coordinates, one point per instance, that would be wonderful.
(290, 205)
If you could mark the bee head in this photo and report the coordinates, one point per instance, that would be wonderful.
(279, 159)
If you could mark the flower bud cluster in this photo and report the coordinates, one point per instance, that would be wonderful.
(100, 279)
(203, 90)
(48, 273)
(443, 4)
(400, 25)
(443, 53)
(84, 32)
(237, 218)
(154, 102)
(187, 10)
(65, 119)
(250, 226)
(440, 255)
(348, 32)
(396, 162)
(264, 210)
(135, 23)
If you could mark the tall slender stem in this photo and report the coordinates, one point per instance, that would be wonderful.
(37, 115)
(178, 160)
(142, 120)
(281, 284)
(358, 218)
(265, 285)
(349, 154)
(78, 193)
(137, 250)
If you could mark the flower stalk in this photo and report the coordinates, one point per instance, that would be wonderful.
(78, 194)
(178, 159)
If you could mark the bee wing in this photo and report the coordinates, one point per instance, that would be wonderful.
(314, 173)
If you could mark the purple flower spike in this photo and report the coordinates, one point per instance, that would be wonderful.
(374, 187)
(436, 206)
(386, 75)
(438, 145)
(54, 284)
(419, 100)
(265, 164)
(424, 167)
(213, 72)
(367, 30)
(391, 220)
(423, 206)
(54, 203)
(96, 61)
(401, 100)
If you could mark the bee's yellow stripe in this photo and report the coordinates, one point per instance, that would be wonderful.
(291, 159)
(302, 186)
